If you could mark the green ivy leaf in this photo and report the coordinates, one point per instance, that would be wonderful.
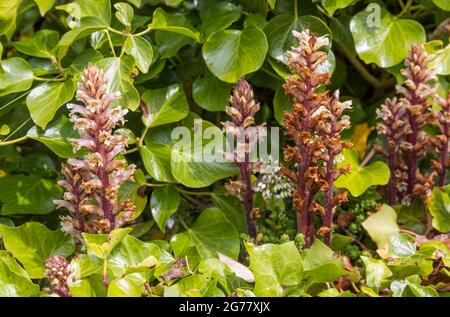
(211, 93)
(14, 280)
(439, 207)
(275, 267)
(231, 54)
(279, 32)
(382, 225)
(386, 44)
(170, 43)
(173, 23)
(41, 44)
(124, 13)
(86, 27)
(55, 136)
(43, 101)
(194, 286)
(443, 4)
(188, 164)
(231, 207)
(377, 273)
(441, 61)
(133, 256)
(163, 204)
(131, 285)
(211, 233)
(130, 190)
(16, 76)
(141, 50)
(31, 194)
(44, 5)
(332, 5)
(401, 245)
(32, 244)
(8, 15)
(79, 9)
(359, 178)
(219, 16)
(156, 158)
(281, 103)
(119, 70)
(321, 265)
(165, 105)
(101, 245)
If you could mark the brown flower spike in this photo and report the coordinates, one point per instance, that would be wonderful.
(314, 126)
(241, 111)
(92, 183)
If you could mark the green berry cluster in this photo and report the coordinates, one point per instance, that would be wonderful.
(276, 226)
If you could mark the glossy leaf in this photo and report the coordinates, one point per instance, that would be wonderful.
(173, 23)
(359, 179)
(119, 71)
(101, 245)
(44, 243)
(163, 204)
(377, 272)
(14, 281)
(219, 16)
(211, 233)
(275, 267)
(41, 44)
(439, 207)
(156, 159)
(231, 54)
(382, 225)
(211, 93)
(30, 194)
(44, 101)
(16, 76)
(165, 105)
(141, 50)
(386, 44)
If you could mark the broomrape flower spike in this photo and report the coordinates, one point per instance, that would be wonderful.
(401, 123)
(241, 127)
(314, 126)
(58, 272)
(442, 140)
(92, 183)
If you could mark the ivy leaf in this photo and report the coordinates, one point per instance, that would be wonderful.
(101, 245)
(279, 32)
(173, 23)
(124, 13)
(441, 61)
(359, 178)
(79, 9)
(401, 245)
(55, 136)
(386, 44)
(8, 15)
(332, 5)
(44, 6)
(194, 286)
(439, 207)
(382, 225)
(219, 16)
(170, 43)
(231, 207)
(281, 103)
(211, 93)
(31, 194)
(43, 101)
(211, 233)
(443, 4)
(165, 105)
(133, 256)
(189, 165)
(16, 76)
(377, 272)
(156, 158)
(131, 285)
(321, 265)
(41, 44)
(119, 70)
(14, 281)
(231, 54)
(32, 244)
(163, 204)
(86, 27)
(407, 288)
(275, 267)
(141, 50)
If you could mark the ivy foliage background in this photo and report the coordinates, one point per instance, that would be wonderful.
(174, 61)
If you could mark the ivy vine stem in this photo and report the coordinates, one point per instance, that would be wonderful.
(21, 139)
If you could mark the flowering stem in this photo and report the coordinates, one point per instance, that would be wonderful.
(248, 194)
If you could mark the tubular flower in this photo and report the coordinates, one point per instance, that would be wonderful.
(58, 272)
(442, 140)
(416, 92)
(92, 183)
(313, 126)
(395, 127)
(242, 129)
(401, 123)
